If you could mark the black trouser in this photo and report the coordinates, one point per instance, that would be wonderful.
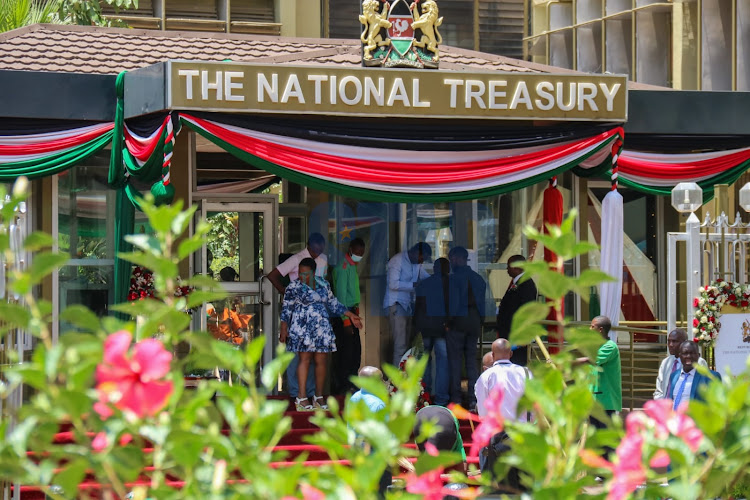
(598, 424)
(500, 445)
(346, 360)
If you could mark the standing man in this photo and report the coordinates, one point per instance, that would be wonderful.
(687, 383)
(671, 363)
(607, 370)
(431, 314)
(487, 361)
(511, 379)
(316, 245)
(404, 272)
(348, 353)
(466, 298)
(517, 295)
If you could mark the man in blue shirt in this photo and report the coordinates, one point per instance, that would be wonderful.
(376, 407)
(687, 384)
(404, 272)
(466, 295)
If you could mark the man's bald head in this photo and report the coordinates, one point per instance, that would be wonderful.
(487, 361)
(501, 349)
(370, 371)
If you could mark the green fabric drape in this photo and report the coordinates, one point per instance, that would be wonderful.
(728, 177)
(54, 164)
(124, 225)
(124, 209)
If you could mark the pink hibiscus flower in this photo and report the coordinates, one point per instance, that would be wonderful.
(627, 471)
(133, 382)
(669, 421)
(491, 424)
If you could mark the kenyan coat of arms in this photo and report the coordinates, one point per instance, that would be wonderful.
(400, 35)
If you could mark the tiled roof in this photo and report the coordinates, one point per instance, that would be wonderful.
(88, 49)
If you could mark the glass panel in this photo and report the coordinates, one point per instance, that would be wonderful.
(86, 214)
(84, 206)
(88, 285)
(235, 319)
(235, 245)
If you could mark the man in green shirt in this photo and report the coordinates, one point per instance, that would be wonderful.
(348, 353)
(606, 371)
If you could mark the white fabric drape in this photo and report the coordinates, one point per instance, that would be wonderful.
(612, 240)
(236, 186)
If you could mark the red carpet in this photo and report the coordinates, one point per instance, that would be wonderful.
(290, 448)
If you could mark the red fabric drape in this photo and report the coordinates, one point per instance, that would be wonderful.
(552, 215)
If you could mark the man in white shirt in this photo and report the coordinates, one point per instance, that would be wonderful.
(511, 378)
(316, 245)
(404, 272)
(671, 363)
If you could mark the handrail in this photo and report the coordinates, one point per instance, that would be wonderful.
(641, 382)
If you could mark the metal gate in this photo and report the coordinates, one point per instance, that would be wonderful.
(713, 250)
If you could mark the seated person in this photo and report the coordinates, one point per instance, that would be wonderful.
(448, 438)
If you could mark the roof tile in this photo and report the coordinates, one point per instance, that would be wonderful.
(89, 49)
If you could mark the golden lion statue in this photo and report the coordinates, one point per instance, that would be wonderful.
(373, 22)
(428, 22)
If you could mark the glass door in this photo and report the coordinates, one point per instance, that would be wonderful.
(239, 252)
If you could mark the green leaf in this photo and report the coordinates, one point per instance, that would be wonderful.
(525, 326)
(145, 242)
(584, 340)
(274, 368)
(188, 246)
(162, 266)
(14, 315)
(127, 461)
(553, 285)
(75, 402)
(427, 463)
(181, 221)
(44, 263)
(184, 448)
(254, 352)
(37, 241)
(71, 476)
(589, 278)
(81, 317)
(373, 386)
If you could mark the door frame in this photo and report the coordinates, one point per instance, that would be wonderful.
(268, 205)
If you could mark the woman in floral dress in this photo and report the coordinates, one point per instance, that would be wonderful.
(306, 329)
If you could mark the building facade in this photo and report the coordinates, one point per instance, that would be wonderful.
(691, 45)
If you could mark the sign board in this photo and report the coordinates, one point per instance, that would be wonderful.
(329, 90)
(733, 343)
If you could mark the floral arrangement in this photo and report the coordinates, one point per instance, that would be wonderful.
(708, 306)
(424, 399)
(142, 285)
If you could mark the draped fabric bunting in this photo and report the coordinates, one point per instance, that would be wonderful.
(400, 175)
(658, 173)
(43, 154)
(552, 216)
(612, 245)
(141, 151)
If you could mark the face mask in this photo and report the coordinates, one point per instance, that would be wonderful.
(356, 258)
(308, 277)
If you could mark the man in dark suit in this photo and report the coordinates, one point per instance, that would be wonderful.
(517, 295)
(687, 384)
